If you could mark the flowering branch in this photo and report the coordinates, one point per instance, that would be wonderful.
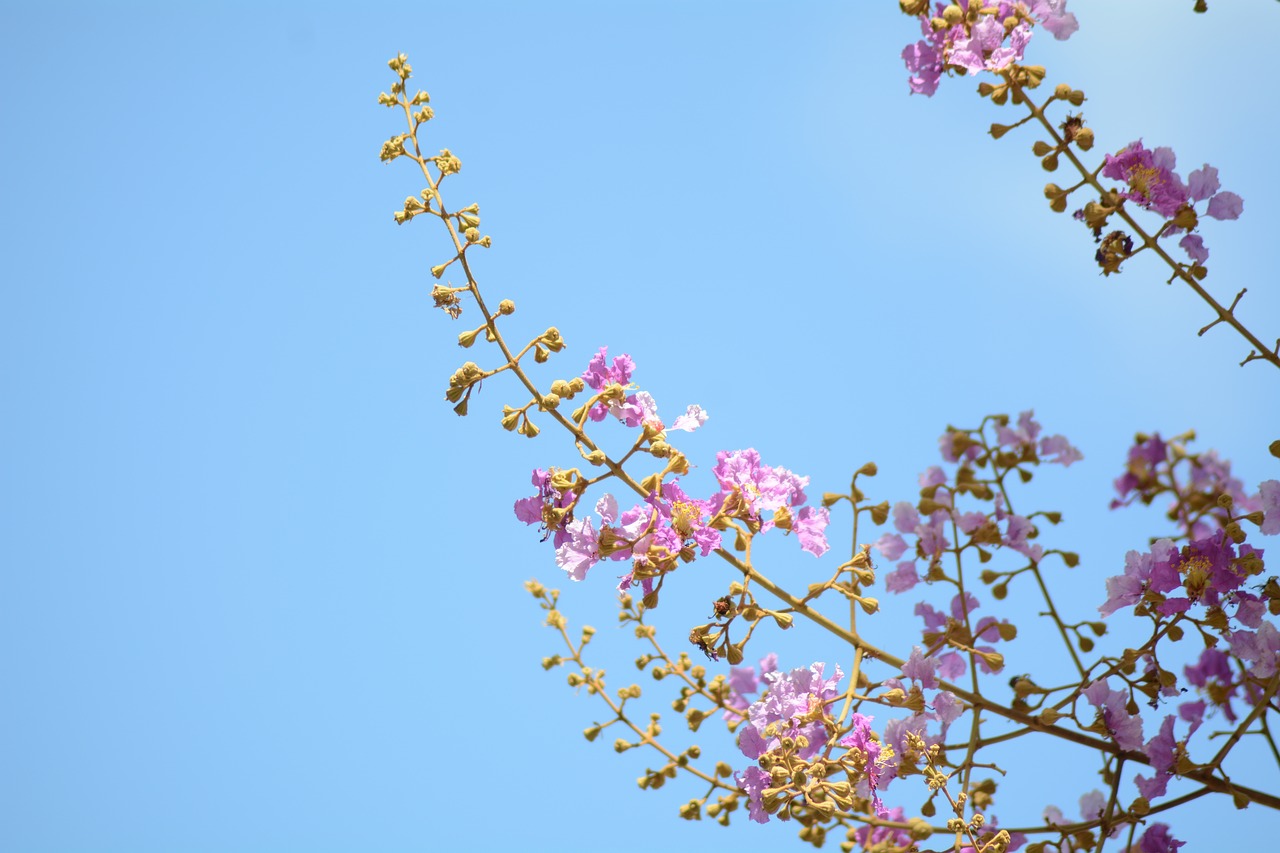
(816, 757)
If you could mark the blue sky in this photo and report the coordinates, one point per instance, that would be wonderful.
(262, 589)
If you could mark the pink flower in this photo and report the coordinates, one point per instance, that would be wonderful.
(1025, 433)
(1157, 839)
(598, 374)
(1125, 728)
(581, 552)
(1055, 18)
(810, 526)
(1062, 451)
(903, 578)
(1149, 174)
(891, 546)
(1225, 205)
(1269, 491)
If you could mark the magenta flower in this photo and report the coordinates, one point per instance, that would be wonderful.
(1160, 750)
(1141, 572)
(861, 739)
(761, 488)
(1212, 676)
(1140, 474)
(1125, 728)
(598, 374)
(1157, 839)
(1149, 174)
(531, 510)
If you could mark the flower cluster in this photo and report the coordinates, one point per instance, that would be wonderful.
(1014, 448)
(668, 527)
(1151, 183)
(969, 37)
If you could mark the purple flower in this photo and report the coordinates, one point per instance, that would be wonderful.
(1194, 246)
(1261, 649)
(1125, 728)
(581, 552)
(810, 527)
(762, 488)
(891, 546)
(1149, 174)
(1225, 205)
(1160, 750)
(861, 739)
(922, 669)
(1140, 474)
(924, 62)
(743, 681)
(797, 702)
(903, 578)
(905, 517)
(1026, 431)
(1269, 492)
(1055, 18)
(598, 374)
(885, 837)
(1158, 840)
(753, 780)
(1062, 451)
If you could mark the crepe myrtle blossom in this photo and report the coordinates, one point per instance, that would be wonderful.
(795, 705)
(1260, 649)
(549, 507)
(984, 44)
(1025, 435)
(1112, 705)
(1163, 750)
(636, 409)
(863, 740)
(1269, 497)
(1212, 676)
(743, 681)
(1141, 474)
(1154, 185)
(667, 526)
(886, 837)
(1156, 839)
(1208, 569)
(1092, 806)
(796, 702)
(753, 488)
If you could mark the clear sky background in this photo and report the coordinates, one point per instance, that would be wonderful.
(261, 587)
